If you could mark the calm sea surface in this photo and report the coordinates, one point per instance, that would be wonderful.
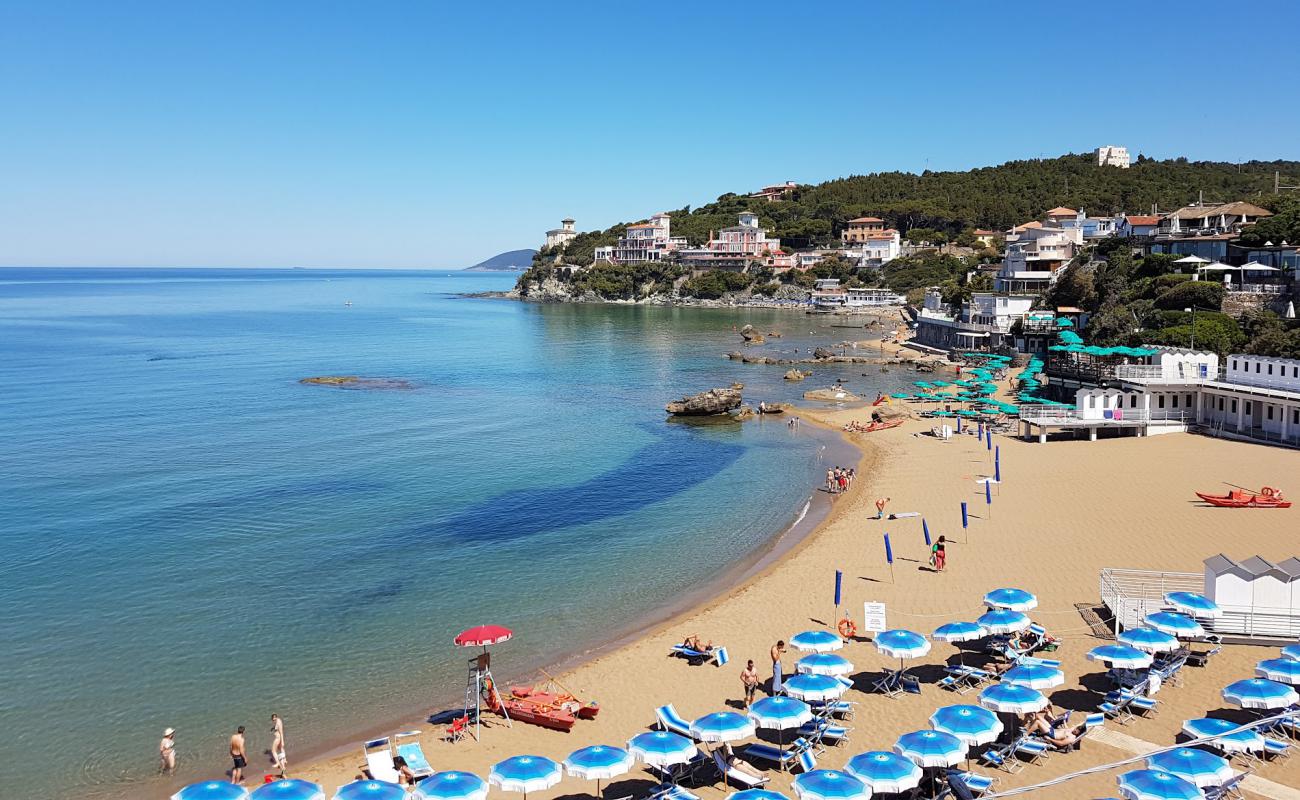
(194, 539)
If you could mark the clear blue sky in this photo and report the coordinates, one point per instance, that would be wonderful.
(424, 134)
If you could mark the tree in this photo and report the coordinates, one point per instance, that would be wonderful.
(1191, 294)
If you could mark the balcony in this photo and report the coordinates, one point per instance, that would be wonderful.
(1156, 373)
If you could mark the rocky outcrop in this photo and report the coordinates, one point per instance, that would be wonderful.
(796, 375)
(714, 401)
(745, 412)
(750, 335)
(356, 382)
(832, 396)
(822, 353)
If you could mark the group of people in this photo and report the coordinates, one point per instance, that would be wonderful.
(238, 750)
(839, 478)
(749, 675)
(793, 423)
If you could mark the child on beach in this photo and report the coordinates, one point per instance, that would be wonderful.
(880, 507)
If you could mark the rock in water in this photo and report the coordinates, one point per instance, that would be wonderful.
(745, 412)
(750, 335)
(714, 401)
(832, 396)
(796, 375)
(823, 352)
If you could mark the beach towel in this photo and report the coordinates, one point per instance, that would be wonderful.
(902, 514)
(776, 677)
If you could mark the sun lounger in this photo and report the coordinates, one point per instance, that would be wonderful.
(688, 772)
(734, 776)
(1132, 701)
(910, 683)
(820, 730)
(889, 684)
(413, 753)
(978, 784)
(807, 760)
(962, 679)
(670, 720)
(1035, 661)
(718, 655)
(671, 791)
(1032, 749)
(837, 708)
(1199, 658)
(1229, 789)
(784, 759)
(379, 759)
(1276, 749)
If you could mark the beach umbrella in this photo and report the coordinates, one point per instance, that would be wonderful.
(1064, 322)
(598, 762)
(960, 632)
(829, 784)
(815, 688)
(902, 644)
(1198, 605)
(1282, 670)
(212, 790)
(1011, 698)
(756, 794)
(722, 726)
(1035, 676)
(1011, 599)
(1154, 784)
(971, 724)
(832, 664)
(1001, 620)
(930, 748)
(1260, 693)
(661, 748)
(1226, 735)
(288, 789)
(482, 636)
(1121, 656)
(383, 790)
(525, 774)
(884, 772)
(449, 785)
(1180, 625)
(1291, 651)
(1194, 766)
(1148, 639)
(780, 713)
(816, 641)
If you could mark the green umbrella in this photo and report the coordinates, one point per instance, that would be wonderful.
(1064, 322)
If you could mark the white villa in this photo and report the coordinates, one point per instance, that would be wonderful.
(559, 237)
(982, 323)
(1110, 155)
(648, 241)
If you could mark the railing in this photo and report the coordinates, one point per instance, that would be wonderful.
(1241, 380)
(1257, 288)
(1131, 594)
(1156, 373)
(1057, 415)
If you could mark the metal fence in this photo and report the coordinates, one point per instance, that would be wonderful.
(1131, 594)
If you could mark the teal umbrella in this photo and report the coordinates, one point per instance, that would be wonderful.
(1064, 322)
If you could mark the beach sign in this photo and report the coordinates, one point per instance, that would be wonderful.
(873, 617)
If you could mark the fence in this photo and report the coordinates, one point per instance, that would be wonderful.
(1131, 594)
(1157, 373)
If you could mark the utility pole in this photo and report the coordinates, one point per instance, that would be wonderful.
(1193, 310)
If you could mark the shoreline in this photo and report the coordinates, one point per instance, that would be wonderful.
(807, 522)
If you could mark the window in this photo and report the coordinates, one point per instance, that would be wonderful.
(1132, 401)
(1269, 409)
(1247, 406)
(1256, 367)
(1160, 402)
(1295, 416)
(1234, 363)
(1270, 369)
(1220, 403)
(1189, 401)
(1234, 406)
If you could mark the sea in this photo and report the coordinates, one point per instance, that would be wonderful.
(192, 538)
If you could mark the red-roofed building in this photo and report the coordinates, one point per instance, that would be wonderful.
(1137, 225)
(778, 191)
(857, 230)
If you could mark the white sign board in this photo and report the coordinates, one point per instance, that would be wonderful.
(873, 617)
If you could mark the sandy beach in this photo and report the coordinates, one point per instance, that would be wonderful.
(1064, 511)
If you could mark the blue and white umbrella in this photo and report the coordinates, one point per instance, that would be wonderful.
(661, 748)
(1225, 734)
(1291, 651)
(824, 664)
(816, 641)
(829, 784)
(1011, 599)
(1260, 693)
(722, 726)
(931, 748)
(598, 762)
(1148, 639)
(1121, 656)
(449, 785)
(883, 772)
(1180, 625)
(212, 790)
(960, 632)
(814, 688)
(525, 774)
(902, 644)
(381, 790)
(780, 713)
(1004, 620)
(1154, 784)
(1198, 605)
(288, 789)
(1282, 670)
(1195, 766)
(1035, 676)
(972, 724)
(1010, 698)
(756, 794)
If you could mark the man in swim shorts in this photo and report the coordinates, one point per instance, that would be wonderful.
(238, 756)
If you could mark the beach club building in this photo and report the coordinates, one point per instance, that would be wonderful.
(982, 323)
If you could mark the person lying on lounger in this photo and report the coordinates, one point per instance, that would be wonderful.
(735, 762)
(692, 642)
(1039, 723)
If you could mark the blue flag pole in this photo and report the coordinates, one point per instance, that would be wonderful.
(959, 424)
(925, 526)
(988, 498)
(889, 556)
(839, 585)
(965, 524)
(988, 441)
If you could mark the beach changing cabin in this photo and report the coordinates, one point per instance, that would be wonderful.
(1258, 597)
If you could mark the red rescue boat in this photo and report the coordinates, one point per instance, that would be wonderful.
(1267, 497)
(555, 710)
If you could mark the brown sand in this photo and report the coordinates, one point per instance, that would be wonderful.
(1065, 510)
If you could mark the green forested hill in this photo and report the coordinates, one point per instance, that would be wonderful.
(989, 197)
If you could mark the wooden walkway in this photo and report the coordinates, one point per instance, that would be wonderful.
(1253, 783)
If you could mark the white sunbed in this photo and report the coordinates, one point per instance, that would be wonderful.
(379, 762)
(735, 775)
(413, 753)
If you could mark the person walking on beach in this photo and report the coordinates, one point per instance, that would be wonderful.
(880, 507)
(238, 755)
(277, 744)
(777, 650)
(939, 555)
(167, 750)
(830, 481)
(749, 679)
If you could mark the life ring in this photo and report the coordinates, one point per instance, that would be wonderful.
(1268, 491)
(847, 629)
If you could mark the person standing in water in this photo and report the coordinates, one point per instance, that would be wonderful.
(238, 755)
(277, 744)
(167, 750)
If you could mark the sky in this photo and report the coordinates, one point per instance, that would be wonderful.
(433, 135)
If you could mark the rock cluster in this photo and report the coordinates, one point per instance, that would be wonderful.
(713, 401)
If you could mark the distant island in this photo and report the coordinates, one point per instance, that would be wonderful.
(509, 261)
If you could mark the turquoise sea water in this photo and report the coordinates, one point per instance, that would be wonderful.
(194, 539)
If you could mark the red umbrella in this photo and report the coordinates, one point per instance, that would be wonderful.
(483, 635)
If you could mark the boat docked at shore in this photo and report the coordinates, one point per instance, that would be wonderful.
(557, 710)
(1243, 498)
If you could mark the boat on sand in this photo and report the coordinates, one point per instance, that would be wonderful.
(556, 710)
(1243, 498)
